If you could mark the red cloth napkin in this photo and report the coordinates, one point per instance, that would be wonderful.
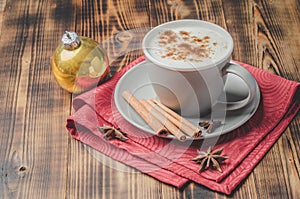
(170, 161)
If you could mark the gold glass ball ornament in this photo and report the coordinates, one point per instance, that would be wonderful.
(79, 63)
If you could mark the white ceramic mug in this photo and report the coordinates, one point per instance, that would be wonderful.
(190, 59)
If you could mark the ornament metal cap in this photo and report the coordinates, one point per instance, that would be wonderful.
(70, 40)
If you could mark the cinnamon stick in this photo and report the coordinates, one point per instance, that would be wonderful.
(179, 121)
(173, 129)
(159, 128)
(189, 130)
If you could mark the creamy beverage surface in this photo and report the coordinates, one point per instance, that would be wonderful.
(186, 48)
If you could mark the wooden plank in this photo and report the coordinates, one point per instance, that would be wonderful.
(261, 34)
(33, 139)
(2, 6)
(91, 174)
(281, 46)
(163, 11)
(94, 175)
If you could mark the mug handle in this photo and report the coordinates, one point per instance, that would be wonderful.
(247, 78)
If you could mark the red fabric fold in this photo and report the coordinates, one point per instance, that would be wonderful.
(170, 161)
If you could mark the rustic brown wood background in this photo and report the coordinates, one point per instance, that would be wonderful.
(38, 159)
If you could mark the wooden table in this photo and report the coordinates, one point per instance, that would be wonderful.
(38, 158)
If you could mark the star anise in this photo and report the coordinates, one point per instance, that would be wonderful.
(210, 159)
(209, 125)
(109, 131)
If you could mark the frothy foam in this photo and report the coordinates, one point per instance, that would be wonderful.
(190, 47)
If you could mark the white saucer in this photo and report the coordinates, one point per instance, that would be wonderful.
(137, 82)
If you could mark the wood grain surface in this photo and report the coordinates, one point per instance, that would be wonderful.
(38, 159)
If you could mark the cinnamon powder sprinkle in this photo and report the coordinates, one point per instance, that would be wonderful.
(198, 40)
(184, 46)
(162, 42)
(185, 33)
